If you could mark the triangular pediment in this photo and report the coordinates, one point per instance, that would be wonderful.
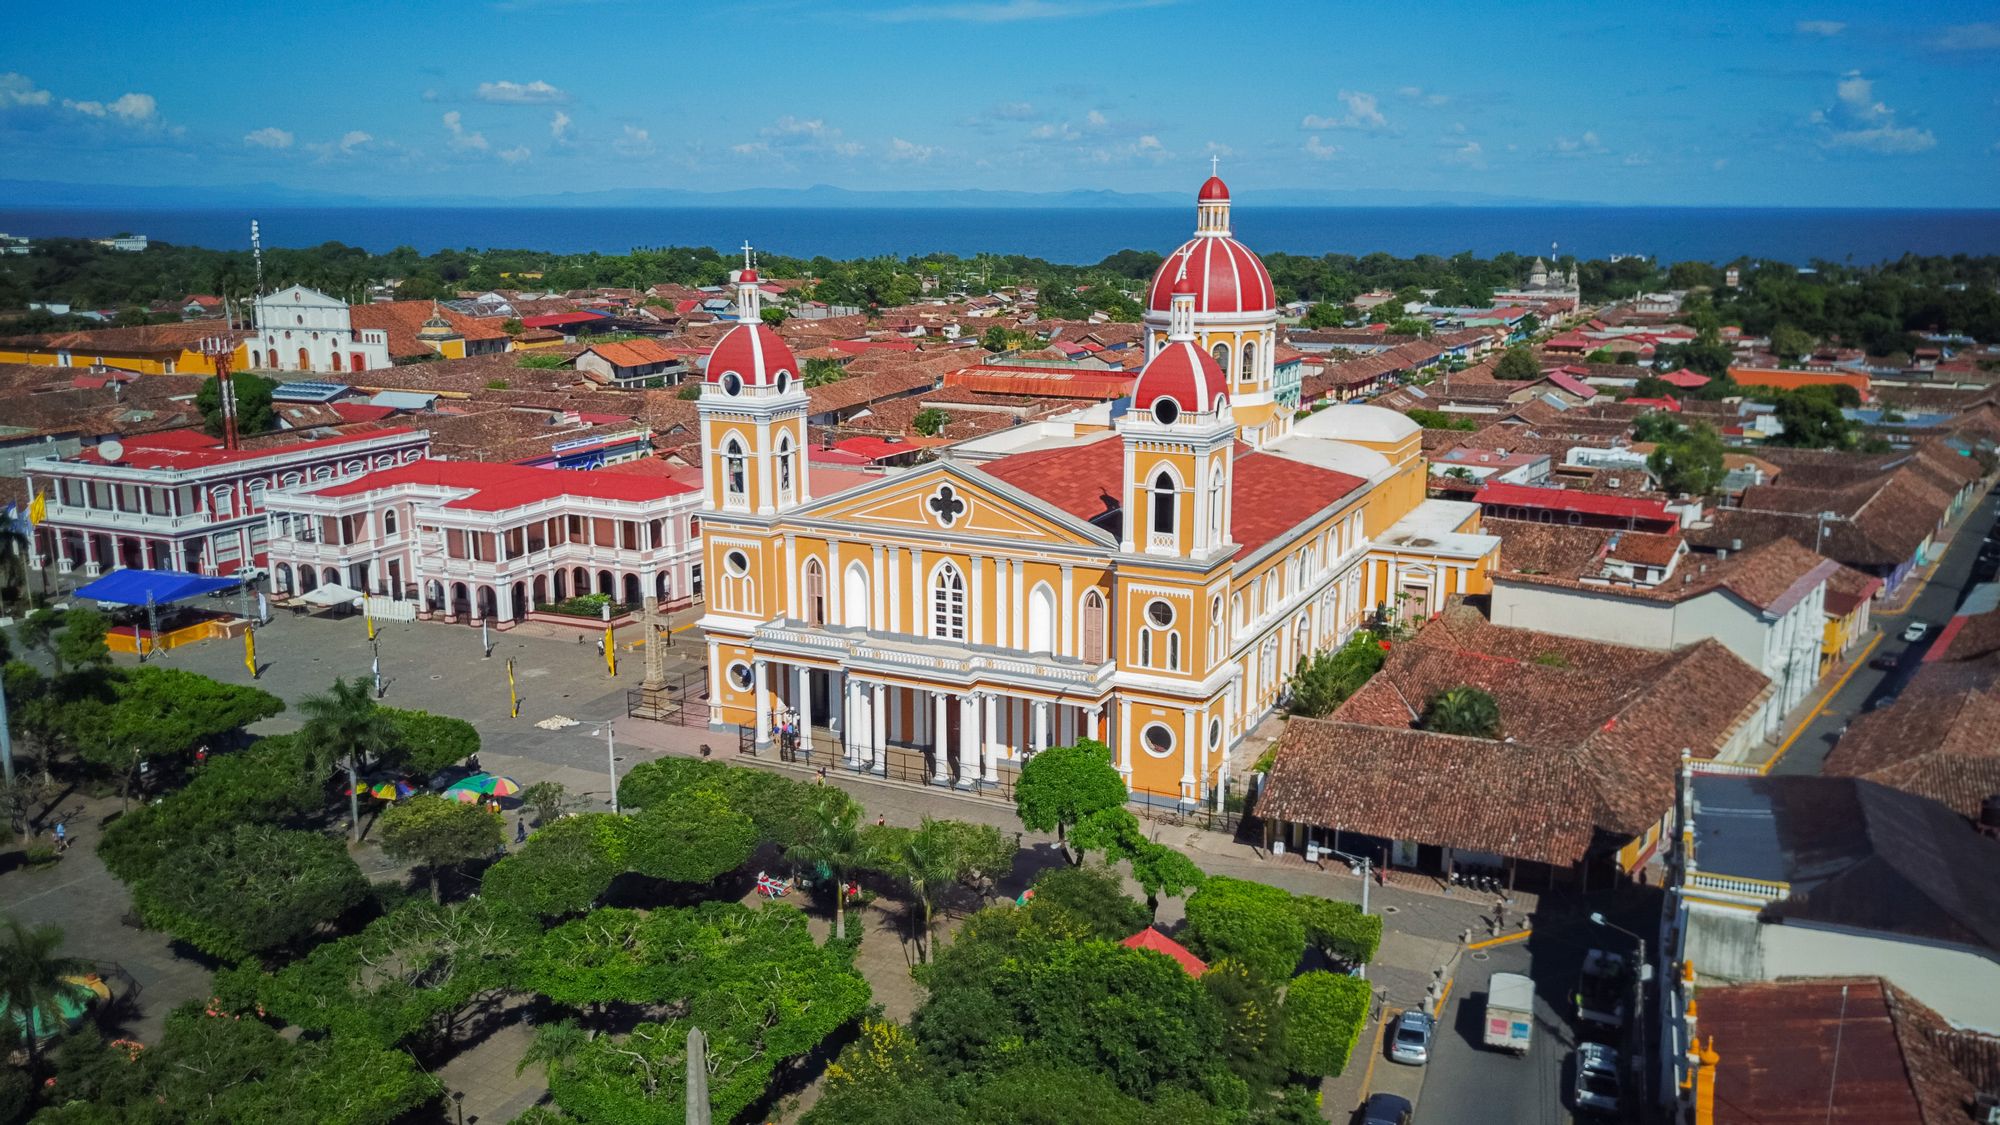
(943, 498)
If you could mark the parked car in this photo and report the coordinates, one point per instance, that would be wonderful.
(1601, 989)
(1916, 631)
(1386, 1109)
(1597, 1078)
(1411, 1042)
(1884, 663)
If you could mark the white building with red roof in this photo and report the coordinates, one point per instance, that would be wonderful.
(1147, 574)
(178, 500)
(472, 541)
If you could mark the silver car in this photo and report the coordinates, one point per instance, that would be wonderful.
(1597, 1078)
(1411, 1041)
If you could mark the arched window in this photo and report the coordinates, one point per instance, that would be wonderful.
(785, 468)
(1093, 628)
(1217, 627)
(948, 603)
(1173, 652)
(1216, 497)
(815, 593)
(735, 484)
(336, 361)
(1042, 619)
(388, 521)
(856, 610)
(1222, 358)
(1249, 362)
(1165, 498)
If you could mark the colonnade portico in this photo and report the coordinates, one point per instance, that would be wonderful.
(961, 737)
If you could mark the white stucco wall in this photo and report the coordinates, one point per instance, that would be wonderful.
(1584, 613)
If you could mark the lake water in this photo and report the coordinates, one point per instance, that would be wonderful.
(1069, 235)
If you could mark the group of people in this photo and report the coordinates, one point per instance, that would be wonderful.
(785, 724)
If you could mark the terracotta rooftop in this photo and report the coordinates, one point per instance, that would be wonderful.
(402, 319)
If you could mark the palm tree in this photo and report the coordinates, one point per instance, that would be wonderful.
(344, 728)
(31, 980)
(833, 842)
(925, 863)
(1463, 710)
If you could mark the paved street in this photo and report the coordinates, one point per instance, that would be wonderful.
(1868, 685)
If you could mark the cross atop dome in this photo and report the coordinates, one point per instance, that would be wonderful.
(1212, 202)
(1214, 165)
(749, 298)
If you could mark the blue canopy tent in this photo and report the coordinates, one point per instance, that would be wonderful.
(161, 587)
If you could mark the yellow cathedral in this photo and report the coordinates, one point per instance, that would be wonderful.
(1146, 573)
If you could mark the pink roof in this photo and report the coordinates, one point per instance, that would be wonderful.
(497, 487)
(856, 347)
(558, 320)
(1150, 938)
(1685, 379)
(361, 411)
(1570, 383)
(872, 449)
(193, 449)
(1571, 500)
(1667, 404)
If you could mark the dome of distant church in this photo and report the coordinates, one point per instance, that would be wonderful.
(754, 354)
(1227, 277)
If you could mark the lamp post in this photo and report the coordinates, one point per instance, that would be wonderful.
(610, 762)
(1639, 977)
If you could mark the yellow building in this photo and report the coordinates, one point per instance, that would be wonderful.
(151, 349)
(1151, 584)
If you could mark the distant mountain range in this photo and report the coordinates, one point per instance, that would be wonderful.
(43, 194)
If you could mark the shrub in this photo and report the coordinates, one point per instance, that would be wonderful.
(1324, 1013)
(1339, 929)
(251, 890)
(563, 868)
(1092, 899)
(265, 784)
(428, 743)
(1250, 923)
(584, 605)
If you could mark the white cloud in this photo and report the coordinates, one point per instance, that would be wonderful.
(1011, 11)
(460, 138)
(132, 109)
(805, 135)
(1055, 131)
(909, 152)
(353, 139)
(1363, 112)
(1146, 147)
(1586, 145)
(1858, 121)
(1219, 149)
(1636, 160)
(1969, 37)
(1826, 29)
(1469, 154)
(559, 127)
(1319, 149)
(18, 89)
(519, 93)
(1096, 119)
(516, 154)
(268, 137)
(1421, 96)
(1720, 163)
(634, 142)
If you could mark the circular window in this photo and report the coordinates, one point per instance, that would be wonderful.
(1160, 613)
(784, 381)
(1165, 410)
(1158, 739)
(732, 383)
(1215, 734)
(741, 675)
(736, 563)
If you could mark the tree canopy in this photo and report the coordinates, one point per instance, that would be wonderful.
(1463, 710)
(1063, 784)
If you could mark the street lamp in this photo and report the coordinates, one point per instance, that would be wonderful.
(610, 762)
(1639, 977)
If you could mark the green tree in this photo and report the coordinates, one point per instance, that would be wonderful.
(563, 868)
(1253, 1025)
(512, 326)
(1689, 462)
(1339, 929)
(440, 834)
(1518, 364)
(424, 743)
(938, 856)
(1411, 326)
(833, 845)
(1463, 710)
(1063, 784)
(1253, 924)
(32, 984)
(1812, 420)
(549, 799)
(163, 714)
(1091, 900)
(692, 837)
(254, 413)
(1325, 314)
(1161, 870)
(1789, 343)
(345, 728)
(1324, 1014)
(821, 371)
(771, 315)
(930, 421)
(265, 784)
(1324, 682)
(250, 890)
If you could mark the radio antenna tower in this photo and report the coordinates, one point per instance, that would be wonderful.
(221, 350)
(257, 255)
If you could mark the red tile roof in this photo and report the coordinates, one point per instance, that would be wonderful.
(1150, 938)
(497, 487)
(1082, 480)
(562, 320)
(194, 449)
(402, 319)
(1685, 379)
(1571, 500)
(361, 411)
(634, 353)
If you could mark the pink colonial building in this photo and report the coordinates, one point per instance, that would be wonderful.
(473, 541)
(178, 500)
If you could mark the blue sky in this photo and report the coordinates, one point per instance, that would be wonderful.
(1690, 102)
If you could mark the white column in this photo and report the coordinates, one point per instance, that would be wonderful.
(1041, 736)
(760, 671)
(1123, 752)
(803, 702)
(975, 600)
(893, 575)
(1020, 600)
(940, 740)
(1187, 754)
(989, 732)
(791, 578)
(850, 693)
(879, 751)
(1091, 714)
(1064, 622)
(969, 740)
(714, 677)
(836, 578)
(877, 588)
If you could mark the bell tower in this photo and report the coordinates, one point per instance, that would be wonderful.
(753, 415)
(1180, 444)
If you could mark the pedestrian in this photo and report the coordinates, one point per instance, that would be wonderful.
(201, 755)
(1499, 912)
(62, 837)
(521, 830)
(822, 775)
(600, 646)
(881, 821)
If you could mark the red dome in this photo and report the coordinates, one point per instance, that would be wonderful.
(1213, 191)
(747, 275)
(756, 354)
(1227, 278)
(1183, 373)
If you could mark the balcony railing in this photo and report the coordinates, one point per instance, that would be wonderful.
(860, 651)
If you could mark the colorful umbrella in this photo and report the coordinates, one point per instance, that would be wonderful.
(390, 790)
(486, 785)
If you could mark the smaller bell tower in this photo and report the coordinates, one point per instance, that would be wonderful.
(753, 409)
(1180, 448)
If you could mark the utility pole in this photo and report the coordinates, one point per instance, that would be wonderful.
(6, 740)
(697, 1078)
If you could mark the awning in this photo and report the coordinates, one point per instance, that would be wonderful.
(134, 587)
(333, 593)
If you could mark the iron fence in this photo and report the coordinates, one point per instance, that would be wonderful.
(681, 700)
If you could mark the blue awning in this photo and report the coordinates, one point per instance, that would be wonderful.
(132, 587)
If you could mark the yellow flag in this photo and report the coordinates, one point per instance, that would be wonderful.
(513, 697)
(38, 508)
(610, 651)
(250, 652)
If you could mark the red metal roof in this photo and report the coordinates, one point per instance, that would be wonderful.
(193, 449)
(1227, 277)
(1570, 383)
(1571, 500)
(856, 347)
(1183, 373)
(558, 320)
(1150, 938)
(874, 449)
(1685, 379)
(496, 487)
(361, 411)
